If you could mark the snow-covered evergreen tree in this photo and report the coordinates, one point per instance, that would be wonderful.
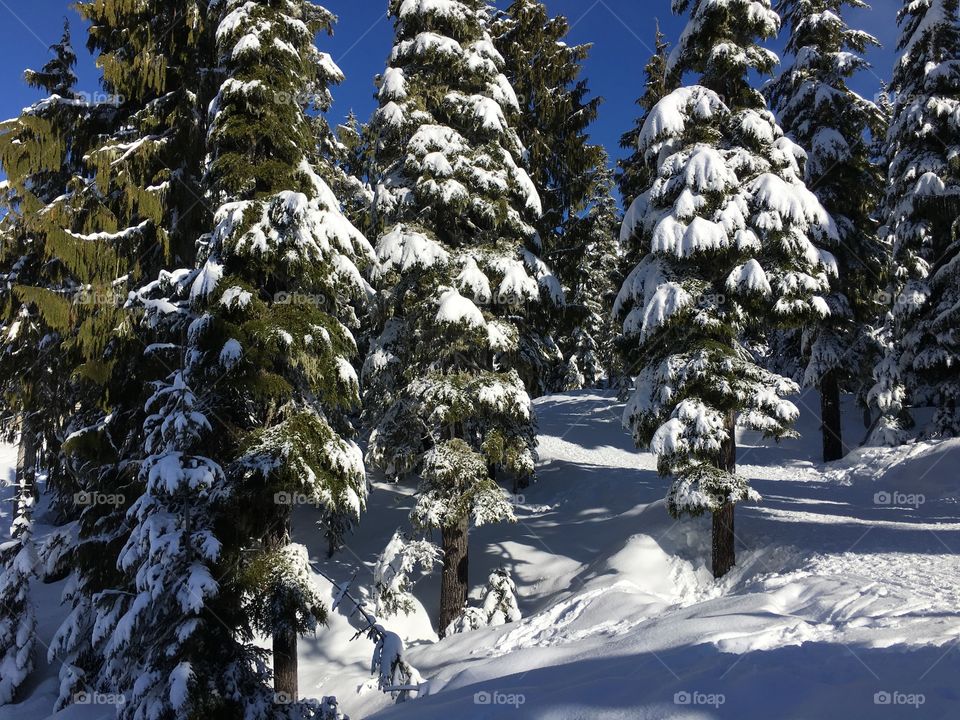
(132, 212)
(351, 159)
(498, 606)
(456, 276)
(169, 653)
(834, 125)
(18, 623)
(392, 574)
(280, 281)
(569, 172)
(921, 208)
(39, 152)
(633, 176)
(269, 359)
(588, 344)
(730, 229)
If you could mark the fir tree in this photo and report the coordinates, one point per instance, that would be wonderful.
(57, 76)
(729, 226)
(921, 209)
(498, 607)
(456, 277)
(169, 653)
(821, 114)
(352, 182)
(633, 177)
(38, 151)
(18, 624)
(134, 210)
(589, 345)
(278, 282)
(546, 72)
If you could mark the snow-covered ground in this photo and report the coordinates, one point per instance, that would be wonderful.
(844, 602)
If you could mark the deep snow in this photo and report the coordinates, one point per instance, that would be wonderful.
(844, 597)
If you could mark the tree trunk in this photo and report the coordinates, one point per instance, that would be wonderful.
(830, 417)
(285, 684)
(723, 536)
(454, 584)
(729, 460)
(285, 663)
(724, 552)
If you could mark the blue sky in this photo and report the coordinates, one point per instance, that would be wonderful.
(621, 32)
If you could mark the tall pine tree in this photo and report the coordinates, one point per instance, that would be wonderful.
(265, 388)
(922, 206)
(834, 125)
(39, 151)
(556, 112)
(588, 340)
(457, 279)
(134, 210)
(729, 226)
(633, 176)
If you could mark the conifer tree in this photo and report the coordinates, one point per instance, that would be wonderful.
(633, 177)
(38, 151)
(921, 208)
(351, 161)
(589, 344)
(18, 624)
(546, 72)
(456, 277)
(289, 265)
(265, 386)
(134, 210)
(730, 228)
(834, 125)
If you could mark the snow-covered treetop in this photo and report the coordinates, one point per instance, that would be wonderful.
(721, 44)
(445, 98)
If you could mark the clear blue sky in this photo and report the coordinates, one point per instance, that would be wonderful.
(621, 32)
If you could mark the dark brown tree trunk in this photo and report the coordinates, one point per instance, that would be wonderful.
(724, 552)
(723, 536)
(285, 666)
(454, 584)
(285, 663)
(830, 417)
(729, 459)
